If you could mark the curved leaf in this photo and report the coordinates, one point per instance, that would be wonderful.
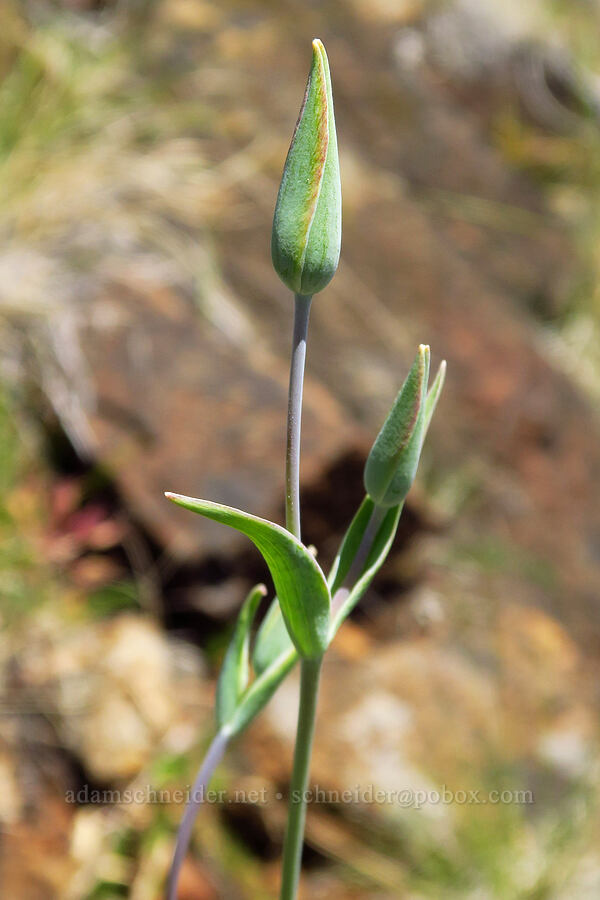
(273, 655)
(300, 584)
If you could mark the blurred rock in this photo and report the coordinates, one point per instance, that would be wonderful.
(136, 290)
(416, 718)
(386, 721)
(11, 801)
(34, 859)
(569, 748)
(213, 424)
(194, 883)
(114, 692)
(165, 353)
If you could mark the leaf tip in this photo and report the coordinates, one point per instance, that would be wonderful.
(175, 498)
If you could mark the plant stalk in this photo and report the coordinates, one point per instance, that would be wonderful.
(294, 416)
(211, 761)
(310, 673)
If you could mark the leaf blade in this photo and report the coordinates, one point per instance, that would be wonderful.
(272, 639)
(433, 395)
(235, 671)
(299, 581)
(377, 555)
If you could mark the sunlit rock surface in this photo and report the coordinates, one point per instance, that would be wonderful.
(136, 292)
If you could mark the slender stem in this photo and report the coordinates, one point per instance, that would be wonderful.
(294, 418)
(294, 838)
(211, 761)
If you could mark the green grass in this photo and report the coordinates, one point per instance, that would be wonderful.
(567, 167)
(113, 598)
(25, 581)
(492, 554)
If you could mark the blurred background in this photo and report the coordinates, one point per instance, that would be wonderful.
(143, 347)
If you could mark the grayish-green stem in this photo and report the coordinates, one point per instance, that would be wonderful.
(211, 761)
(294, 837)
(294, 418)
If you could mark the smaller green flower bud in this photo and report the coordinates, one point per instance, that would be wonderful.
(307, 226)
(392, 463)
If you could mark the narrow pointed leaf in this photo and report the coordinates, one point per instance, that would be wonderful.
(350, 545)
(235, 671)
(376, 557)
(433, 396)
(261, 690)
(306, 238)
(299, 581)
(272, 639)
(392, 463)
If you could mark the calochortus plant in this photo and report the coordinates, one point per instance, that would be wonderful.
(309, 606)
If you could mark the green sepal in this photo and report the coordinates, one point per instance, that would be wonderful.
(392, 463)
(299, 582)
(344, 603)
(272, 639)
(235, 671)
(350, 545)
(307, 226)
(433, 396)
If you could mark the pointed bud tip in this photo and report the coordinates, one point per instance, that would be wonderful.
(423, 357)
(440, 377)
(392, 463)
(306, 236)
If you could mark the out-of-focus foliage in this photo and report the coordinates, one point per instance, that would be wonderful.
(567, 165)
(123, 154)
(25, 579)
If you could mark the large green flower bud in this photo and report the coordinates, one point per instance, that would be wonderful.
(307, 227)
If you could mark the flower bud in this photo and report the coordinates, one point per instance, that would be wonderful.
(307, 226)
(392, 463)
